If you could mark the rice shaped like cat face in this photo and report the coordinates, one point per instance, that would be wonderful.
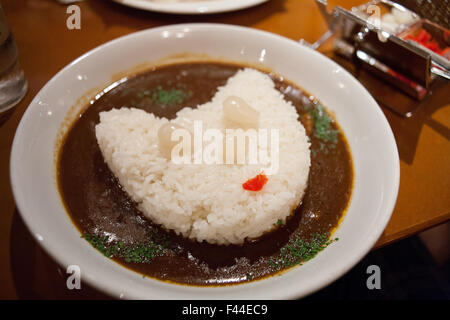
(198, 191)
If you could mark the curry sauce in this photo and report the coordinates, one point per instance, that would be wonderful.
(98, 205)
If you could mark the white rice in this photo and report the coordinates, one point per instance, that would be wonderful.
(208, 202)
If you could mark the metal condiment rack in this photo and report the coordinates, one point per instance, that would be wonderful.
(386, 55)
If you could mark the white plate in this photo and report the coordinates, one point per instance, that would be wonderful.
(372, 144)
(191, 7)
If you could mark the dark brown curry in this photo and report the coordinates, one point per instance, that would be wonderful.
(98, 205)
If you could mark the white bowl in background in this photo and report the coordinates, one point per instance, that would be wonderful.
(191, 7)
(372, 144)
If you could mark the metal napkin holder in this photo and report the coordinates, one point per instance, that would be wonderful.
(408, 66)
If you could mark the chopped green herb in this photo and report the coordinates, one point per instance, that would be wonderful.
(249, 277)
(279, 222)
(323, 147)
(136, 252)
(299, 250)
(164, 97)
(322, 125)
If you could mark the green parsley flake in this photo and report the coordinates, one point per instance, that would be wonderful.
(165, 97)
(322, 125)
(136, 252)
(298, 250)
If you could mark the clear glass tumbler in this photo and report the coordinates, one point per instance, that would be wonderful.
(13, 84)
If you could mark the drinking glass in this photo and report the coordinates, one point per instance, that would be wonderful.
(13, 84)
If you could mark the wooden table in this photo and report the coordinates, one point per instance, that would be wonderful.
(46, 45)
